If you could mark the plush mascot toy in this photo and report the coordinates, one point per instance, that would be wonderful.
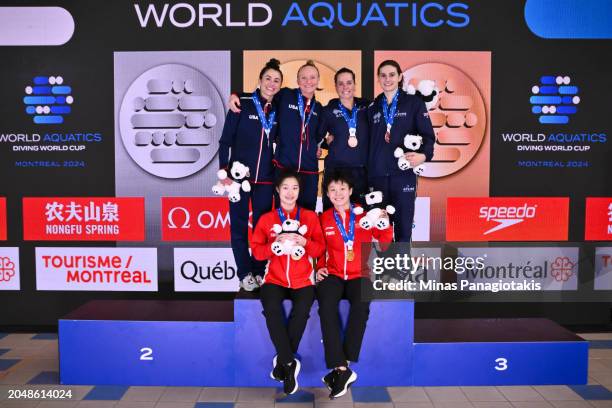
(412, 143)
(289, 247)
(238, 175)
(428, 91)
(374, 208)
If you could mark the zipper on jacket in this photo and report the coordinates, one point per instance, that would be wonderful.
(287, 271)
(259, 157)
(345, 275)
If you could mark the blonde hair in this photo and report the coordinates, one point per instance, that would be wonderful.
(310, 63)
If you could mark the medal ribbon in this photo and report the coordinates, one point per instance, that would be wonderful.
(305, 120)
(348, 238)
(266, 124)
(389, 114)
(281, 214)
(352, 121)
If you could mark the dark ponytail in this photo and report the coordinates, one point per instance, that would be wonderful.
(273, 64)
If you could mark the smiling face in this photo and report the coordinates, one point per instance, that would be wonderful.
(345, 86)
(270, 83)
(389, 78)
(308, 80)
(288, 192)
(339, 193)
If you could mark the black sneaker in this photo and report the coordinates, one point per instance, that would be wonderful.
(342, 381)
(328, 380)
(290, 383)
(277, 371)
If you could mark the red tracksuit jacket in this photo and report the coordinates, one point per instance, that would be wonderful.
(335, 260)
(282, 270)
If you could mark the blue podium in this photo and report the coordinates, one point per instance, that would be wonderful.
(224, 343)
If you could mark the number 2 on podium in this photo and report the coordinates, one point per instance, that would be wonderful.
(147, 354)
(502, 364)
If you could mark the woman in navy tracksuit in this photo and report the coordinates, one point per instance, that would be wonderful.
(248, 137)
(298, 139)
(391, 116)
(345, 119)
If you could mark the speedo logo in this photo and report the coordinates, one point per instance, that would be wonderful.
(506, 216)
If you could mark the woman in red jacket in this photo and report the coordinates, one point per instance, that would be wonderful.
(289, 274)
(344, 273)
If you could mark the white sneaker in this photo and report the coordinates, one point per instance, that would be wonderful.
(249, 283)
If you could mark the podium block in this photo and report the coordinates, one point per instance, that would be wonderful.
(497, 352)
(147, 343)
(204, 343)
(386, 353)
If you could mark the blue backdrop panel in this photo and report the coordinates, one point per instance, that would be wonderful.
(115, 352)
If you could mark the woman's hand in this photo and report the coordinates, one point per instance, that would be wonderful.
(319, 152)
(415, 159)
(329, 138)
(234, 103)
(299, 239)
(322, 274)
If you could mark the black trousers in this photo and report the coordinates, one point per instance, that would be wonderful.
(329, 293)
(286, 333)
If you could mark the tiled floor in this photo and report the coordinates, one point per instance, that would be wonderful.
(29, 361)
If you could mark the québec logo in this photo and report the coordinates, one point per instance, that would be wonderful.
(554, 99)
(7, 269)
(506, 216)
(48, 100)
(562, 269)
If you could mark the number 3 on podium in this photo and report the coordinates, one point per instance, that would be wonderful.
(502, 364)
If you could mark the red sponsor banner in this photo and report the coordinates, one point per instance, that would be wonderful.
(2, 218)
(83, 219)
(196, 219)
(507, 219)
(598, 219)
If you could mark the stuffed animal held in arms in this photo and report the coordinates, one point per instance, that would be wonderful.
(238, 175)
(412, 143)
(374, 208)
(289, 247)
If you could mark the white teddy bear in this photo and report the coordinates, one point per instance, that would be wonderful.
(427, 90)
(374, 208)
(289, 247)
(412, 143)
(238, 175)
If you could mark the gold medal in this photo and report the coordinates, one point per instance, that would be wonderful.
(350, 255)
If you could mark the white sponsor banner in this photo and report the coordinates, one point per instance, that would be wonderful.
(9, 268)
(603, 268)
(554, 268)
(420, 227)
(205, 270)
(99, 269)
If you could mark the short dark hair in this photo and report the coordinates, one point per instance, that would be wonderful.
(394, 64)
(274, 65)
(338, 176)
(284, 175)
(343, 70)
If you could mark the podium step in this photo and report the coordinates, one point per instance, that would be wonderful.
(497, 352)
(220, 343)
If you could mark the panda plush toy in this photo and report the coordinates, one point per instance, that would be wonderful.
(289, 247)
(238, 174)
(412, 143)
(373, 210)
(427, 90)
